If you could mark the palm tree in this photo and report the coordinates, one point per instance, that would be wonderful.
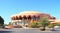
(44, 22)
(1, 22)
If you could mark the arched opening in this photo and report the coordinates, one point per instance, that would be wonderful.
(54, 18)
(38, 18)
(29, 17)
(12, 18)
(24, 17)
(17, 18)
(20, 18)
(34, 17)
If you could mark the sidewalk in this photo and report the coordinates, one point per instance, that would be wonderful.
(1, 29)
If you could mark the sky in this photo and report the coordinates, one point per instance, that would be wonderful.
(11, 7)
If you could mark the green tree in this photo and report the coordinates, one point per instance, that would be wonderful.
(1, 22)
(44, 22)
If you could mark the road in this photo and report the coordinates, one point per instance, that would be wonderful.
(18, 30)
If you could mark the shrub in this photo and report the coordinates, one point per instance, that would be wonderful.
(50, 26)
(34, 25)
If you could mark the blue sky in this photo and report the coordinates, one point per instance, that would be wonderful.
(10, 7)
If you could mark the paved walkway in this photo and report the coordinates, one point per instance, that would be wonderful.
(21, 30)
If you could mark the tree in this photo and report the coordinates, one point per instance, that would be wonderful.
(44, 22)
(1, 22)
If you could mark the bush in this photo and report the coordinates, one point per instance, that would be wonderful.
(34, 25)
(56, 24)
(42, 29)
(50, 26)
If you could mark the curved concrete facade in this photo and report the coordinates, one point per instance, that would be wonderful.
(29, 16)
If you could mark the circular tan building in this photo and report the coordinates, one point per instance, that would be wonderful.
(26, 17)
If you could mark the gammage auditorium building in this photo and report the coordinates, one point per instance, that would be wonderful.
(26, 17)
